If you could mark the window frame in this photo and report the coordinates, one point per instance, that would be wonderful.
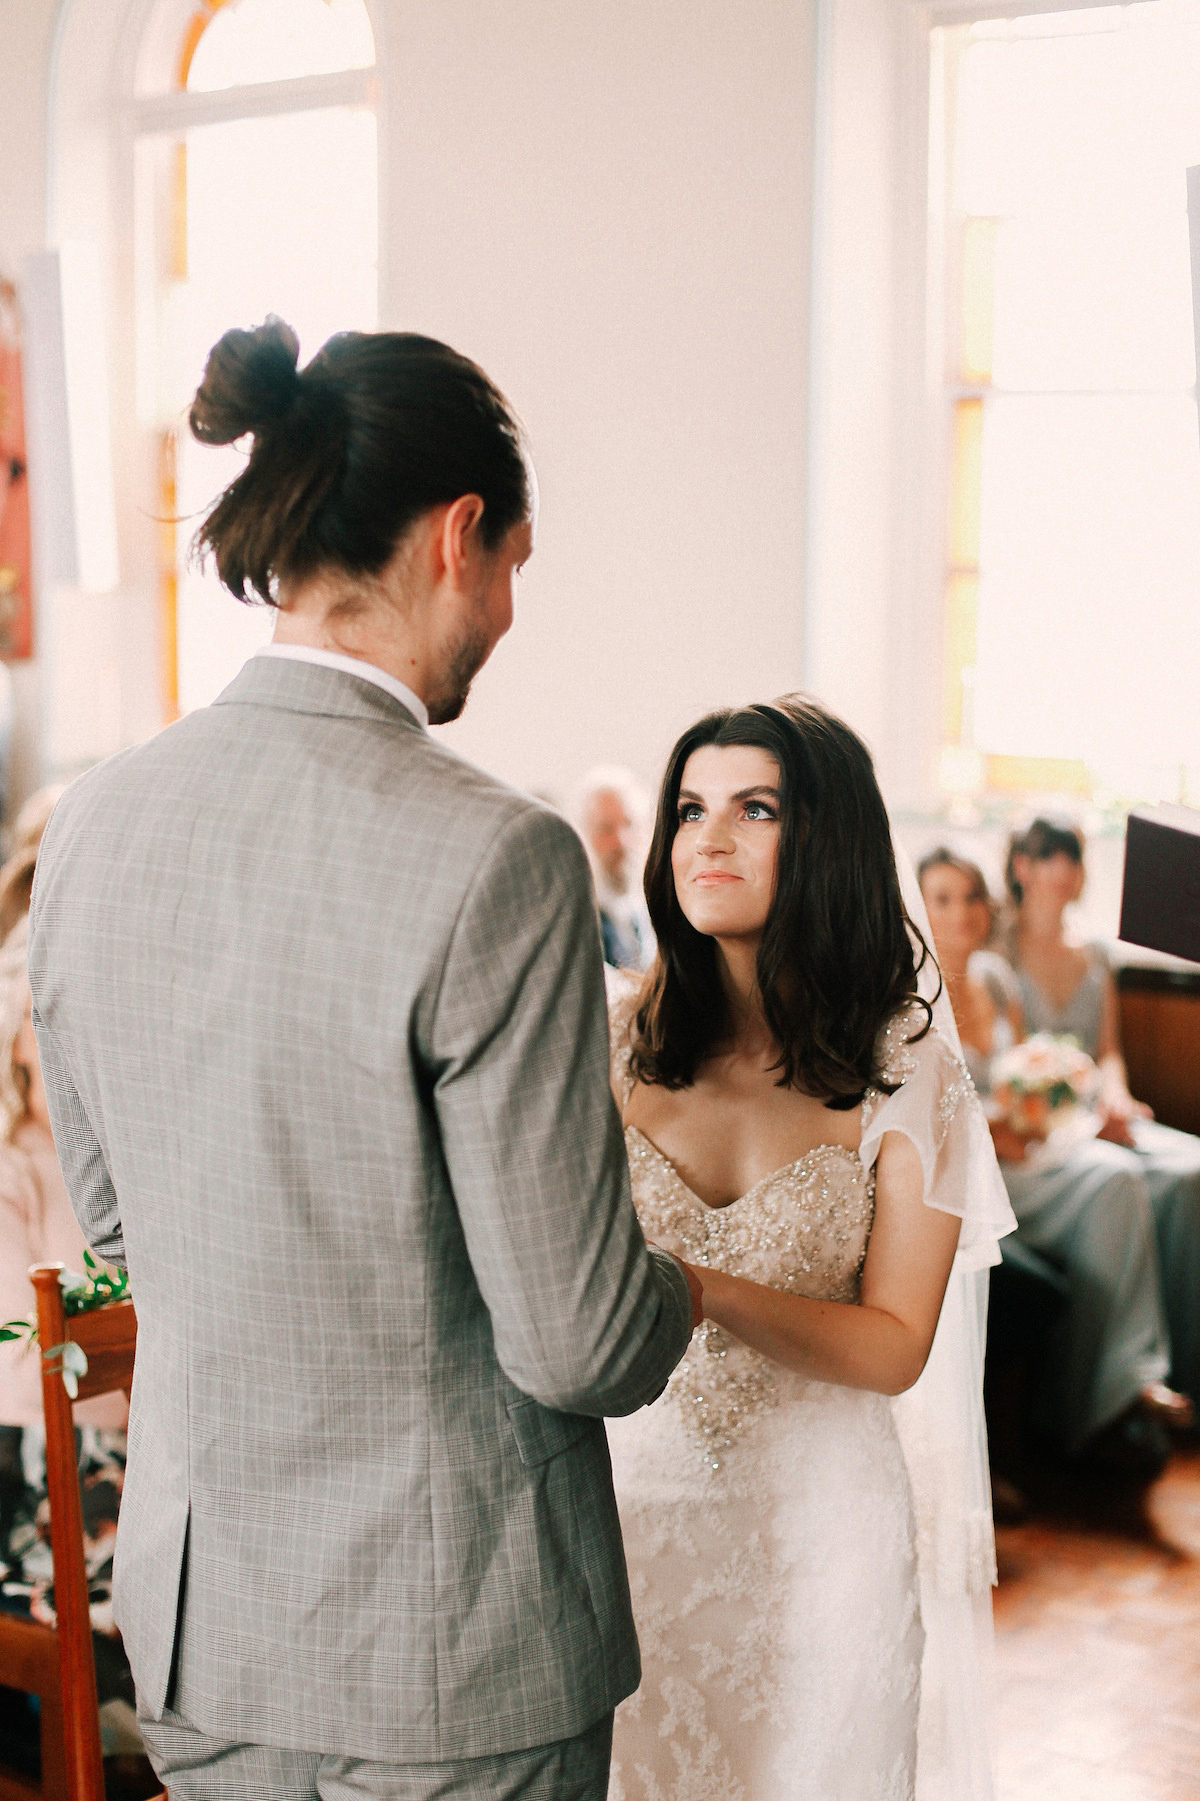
(927, 391)
(170, 115)
(109, 68)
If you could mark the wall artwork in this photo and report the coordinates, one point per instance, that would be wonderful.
(16, 587)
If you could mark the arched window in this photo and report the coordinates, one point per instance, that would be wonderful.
(233, 43)
(256, 193)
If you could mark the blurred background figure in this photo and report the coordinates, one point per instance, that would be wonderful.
(38, 1226)
(1103, 1395)
(983, 994)
(16, 873)
(610, 816)
(1067, 987)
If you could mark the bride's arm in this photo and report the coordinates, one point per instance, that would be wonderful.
(883, 1342)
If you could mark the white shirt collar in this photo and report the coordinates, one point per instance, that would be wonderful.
(366, 672)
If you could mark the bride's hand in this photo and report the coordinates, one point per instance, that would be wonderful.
(696, 1288)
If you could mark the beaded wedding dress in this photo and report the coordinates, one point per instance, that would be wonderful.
(777, 1561)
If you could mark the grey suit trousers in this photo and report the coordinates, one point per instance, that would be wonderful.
(198, 1768)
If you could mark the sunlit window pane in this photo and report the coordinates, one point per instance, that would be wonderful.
(297, 195)
(1071, 137)
(1096, 299)
(275, 40)
(1089, 622)
(1079, 145)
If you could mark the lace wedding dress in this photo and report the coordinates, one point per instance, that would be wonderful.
(769, 1520)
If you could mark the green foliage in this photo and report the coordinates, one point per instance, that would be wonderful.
(99, 1286)
(70, 1361)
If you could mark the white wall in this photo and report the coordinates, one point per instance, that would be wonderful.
(607, 205)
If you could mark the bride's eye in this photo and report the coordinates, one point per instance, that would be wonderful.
(760, 809)
(690, 811)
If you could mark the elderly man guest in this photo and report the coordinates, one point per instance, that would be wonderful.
(609, 814)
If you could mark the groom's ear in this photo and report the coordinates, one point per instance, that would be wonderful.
(458, 540)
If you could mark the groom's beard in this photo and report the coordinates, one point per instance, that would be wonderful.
(464, 661)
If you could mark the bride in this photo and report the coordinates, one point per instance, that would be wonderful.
(810, 1560)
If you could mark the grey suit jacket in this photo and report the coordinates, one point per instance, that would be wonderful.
(321, 1014)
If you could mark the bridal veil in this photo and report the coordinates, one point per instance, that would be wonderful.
(942, 1429)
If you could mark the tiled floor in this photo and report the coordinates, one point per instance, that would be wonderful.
(1098, 1645)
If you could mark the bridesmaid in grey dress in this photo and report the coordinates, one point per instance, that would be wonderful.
(1069, 988)
(1090, 1214)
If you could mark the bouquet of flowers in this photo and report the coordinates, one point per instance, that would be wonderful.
(1043, 1084)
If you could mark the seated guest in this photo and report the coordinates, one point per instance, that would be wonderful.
(1068, 987)
(608, 817)
(1090, 1214)
(38, 1226)
(983, 994)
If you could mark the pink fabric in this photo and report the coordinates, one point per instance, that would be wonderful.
(36, 1226)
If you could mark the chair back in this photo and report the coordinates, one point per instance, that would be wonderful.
(108, 1338)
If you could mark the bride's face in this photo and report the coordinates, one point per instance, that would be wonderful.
(725, 855)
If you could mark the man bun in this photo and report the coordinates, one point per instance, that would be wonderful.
(250, 383)
(377, 429)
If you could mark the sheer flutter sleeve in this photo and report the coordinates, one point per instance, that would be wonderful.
(937, 1109)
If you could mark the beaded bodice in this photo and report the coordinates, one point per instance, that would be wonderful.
(803, 1229)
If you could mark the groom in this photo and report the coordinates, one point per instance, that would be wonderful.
(321, 1013)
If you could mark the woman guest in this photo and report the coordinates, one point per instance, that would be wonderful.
(1068, 987)
(37, 1226)
(1090, 1213)
(983, 993)
(36, 1221)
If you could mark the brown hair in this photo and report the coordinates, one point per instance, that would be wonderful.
(942, 857)
(837, 956)
(16, 874)
(14, 1001)
(1042, 839)
(16, 888)
(347, 453)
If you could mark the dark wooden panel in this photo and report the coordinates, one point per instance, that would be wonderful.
(28, 1655)
(109, 1339)
(19, 1788)
(1160, 1030)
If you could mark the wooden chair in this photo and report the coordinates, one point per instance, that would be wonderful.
(29, 1662)
(108, 1337)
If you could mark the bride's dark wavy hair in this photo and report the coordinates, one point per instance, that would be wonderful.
(839, 954)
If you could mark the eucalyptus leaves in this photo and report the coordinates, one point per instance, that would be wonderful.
(97, 1287)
